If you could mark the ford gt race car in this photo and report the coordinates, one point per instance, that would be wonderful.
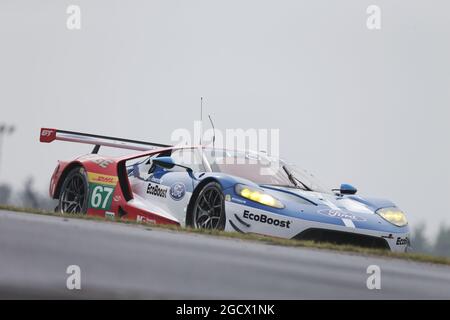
(231, 190)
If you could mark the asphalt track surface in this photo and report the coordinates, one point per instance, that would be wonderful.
(120, 261)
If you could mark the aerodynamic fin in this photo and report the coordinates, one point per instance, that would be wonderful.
(49, 135)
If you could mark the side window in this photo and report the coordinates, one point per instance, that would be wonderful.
(141, 168)
(189, 158)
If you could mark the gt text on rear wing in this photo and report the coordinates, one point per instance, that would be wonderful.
(49, 135)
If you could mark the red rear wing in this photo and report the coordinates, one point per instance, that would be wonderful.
(49, 135)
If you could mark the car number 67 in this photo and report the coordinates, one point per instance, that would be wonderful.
(100, 196)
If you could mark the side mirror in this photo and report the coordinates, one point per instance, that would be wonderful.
(347, 189)
(168, 163)
(164, 162)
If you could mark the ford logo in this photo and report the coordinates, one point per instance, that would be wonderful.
(177, 191)
(340, 214)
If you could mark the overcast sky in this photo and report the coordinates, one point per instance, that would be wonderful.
(367, 107)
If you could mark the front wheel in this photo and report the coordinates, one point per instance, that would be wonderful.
(209, 208)
(74, 192)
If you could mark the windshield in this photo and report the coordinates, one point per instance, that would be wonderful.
(261, 169)
(308, 179)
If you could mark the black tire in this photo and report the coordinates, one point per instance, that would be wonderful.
(208, 211)
(74, 194)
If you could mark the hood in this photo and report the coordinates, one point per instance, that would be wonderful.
(335, 209)
(349, 203)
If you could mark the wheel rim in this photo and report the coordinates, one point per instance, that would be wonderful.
(209, 209)
(74, 194)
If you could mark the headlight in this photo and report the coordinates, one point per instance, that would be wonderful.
(394, 216)
(258, 196)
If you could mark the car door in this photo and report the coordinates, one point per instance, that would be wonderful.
(166, 191)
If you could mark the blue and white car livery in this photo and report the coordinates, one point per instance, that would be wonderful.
(250, 192)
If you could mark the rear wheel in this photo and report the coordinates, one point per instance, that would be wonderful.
(209, 208)
(74, 192)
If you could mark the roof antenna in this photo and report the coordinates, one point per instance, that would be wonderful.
(214, 130)
(201, 119)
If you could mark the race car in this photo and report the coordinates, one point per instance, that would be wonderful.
(215, 188)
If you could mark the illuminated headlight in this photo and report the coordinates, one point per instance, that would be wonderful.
(258, 196)
(394, 216)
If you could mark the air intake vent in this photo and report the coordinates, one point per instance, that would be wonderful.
(340, 237)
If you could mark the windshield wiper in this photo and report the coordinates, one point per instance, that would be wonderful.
(294, 180)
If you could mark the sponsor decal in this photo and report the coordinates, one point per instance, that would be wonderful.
(102, 179)
(109, 215)
(237, 200)
(117, 198)
(227, 197)
(155, 180)
(340, 214)
(101, 189)
(402, 241)
(177, 191)
(265, 219)
(101, 162)
(156, 190)
(143, 219)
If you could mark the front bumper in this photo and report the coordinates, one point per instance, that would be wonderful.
(247, 219)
